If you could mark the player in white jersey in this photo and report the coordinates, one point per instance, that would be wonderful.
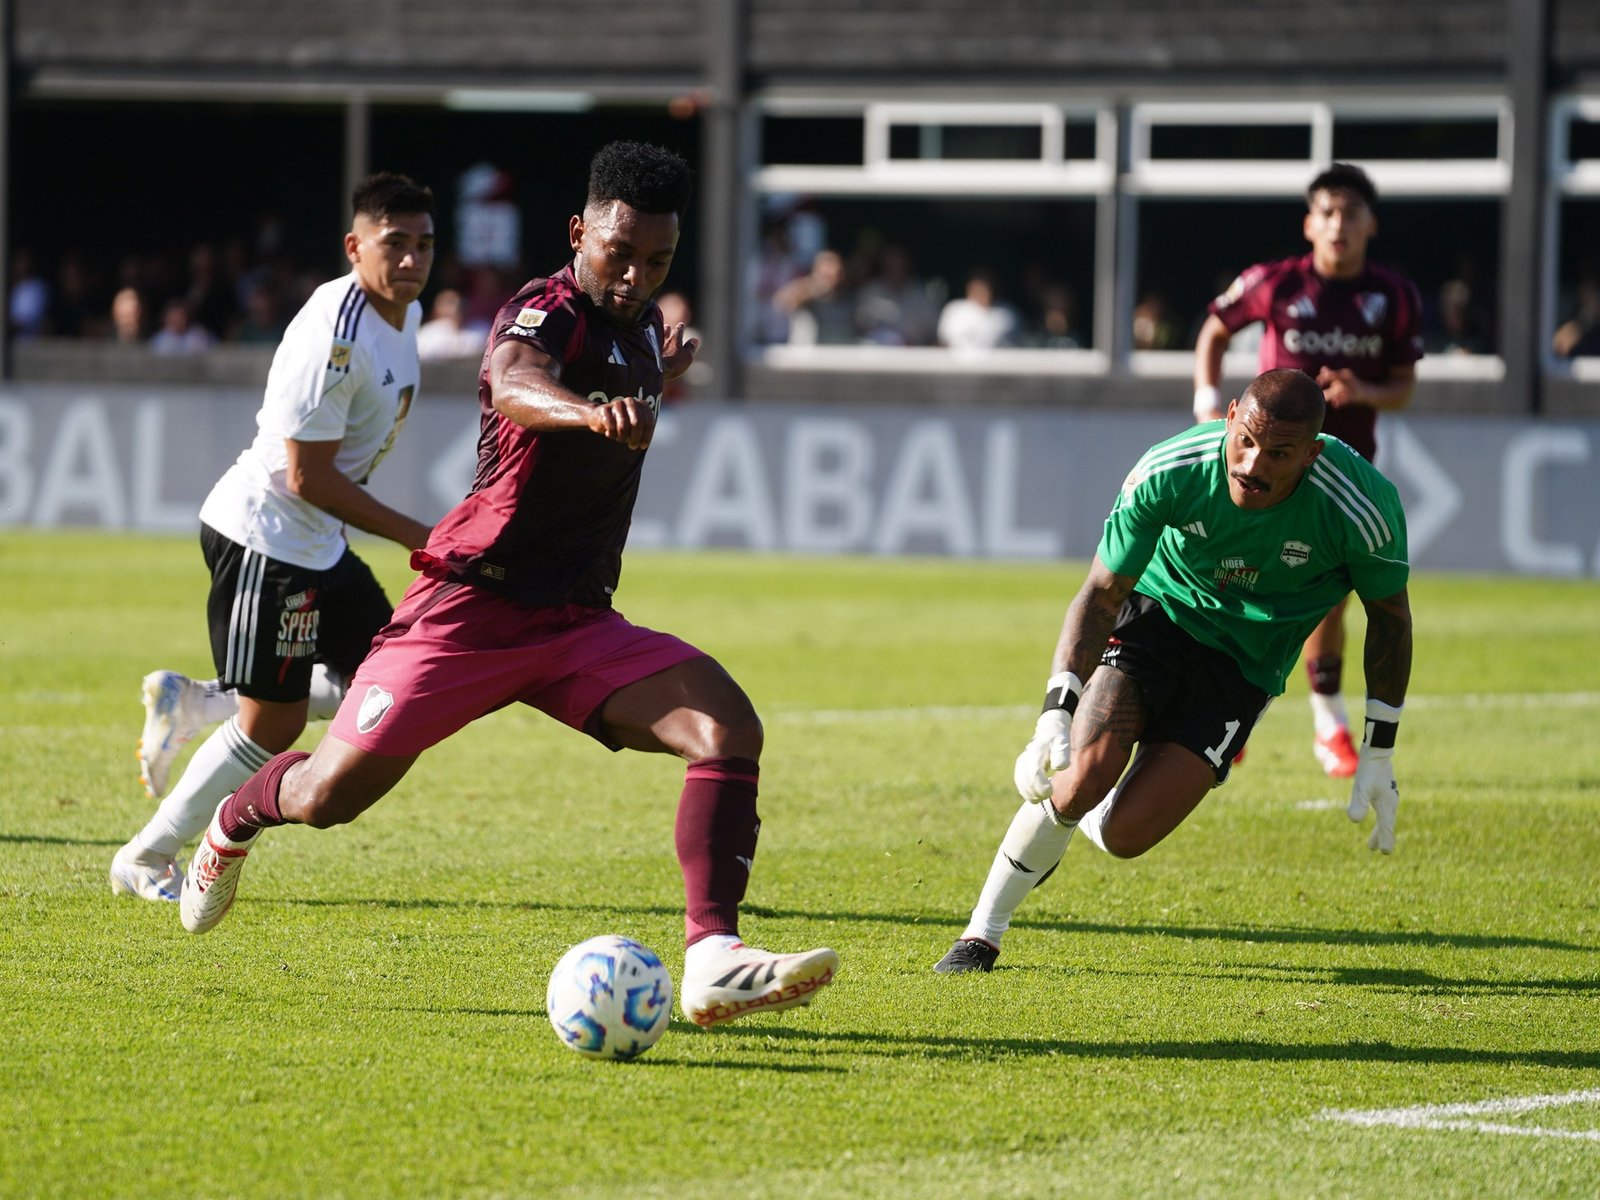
(292, 608)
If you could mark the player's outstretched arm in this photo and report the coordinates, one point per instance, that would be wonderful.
(1088, 624)
(1388, 671)
(525, 386)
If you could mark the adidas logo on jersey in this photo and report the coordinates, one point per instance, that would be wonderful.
(388, 378)
(1196, 528)
(1303, 309)
(616, 356)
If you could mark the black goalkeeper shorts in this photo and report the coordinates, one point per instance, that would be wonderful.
(1194, 695)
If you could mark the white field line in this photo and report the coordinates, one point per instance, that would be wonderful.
(1007, 712)
(1450, 1116)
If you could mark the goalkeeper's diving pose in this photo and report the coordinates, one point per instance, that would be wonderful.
(1227, 544)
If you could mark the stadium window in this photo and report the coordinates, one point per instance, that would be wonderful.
(1224, 143)
(1215, 187)
(813, 140)
(1361, 140)
(1573, 279)
(984, 142)
(902, 227)
(501, 213)
(877, 271)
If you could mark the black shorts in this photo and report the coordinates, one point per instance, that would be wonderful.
(1194, 695)
(271, 621)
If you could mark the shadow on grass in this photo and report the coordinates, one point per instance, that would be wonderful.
(1270, 934)
(943, 1047)
(1378, 977)
(654, 1060)
(39, 839)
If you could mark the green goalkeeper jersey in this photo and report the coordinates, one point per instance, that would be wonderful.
(1253, 583)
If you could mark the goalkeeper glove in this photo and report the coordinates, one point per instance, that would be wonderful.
(1374, 784)
(1051, 745)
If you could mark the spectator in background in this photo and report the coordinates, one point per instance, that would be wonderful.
(1154, 327)
(28, 303)
(775, 265)
(676, 312)
(78, 308)
(210, 299)
(179, 335)
(821, 305)
(445, 335)
(1056, 327)
(1579, 335)
(128, 317)
(978, 320)
(1462, 324)
(262, 323)
(895, 307)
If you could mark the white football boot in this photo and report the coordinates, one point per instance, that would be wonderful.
(213, 878)
(174, 711)
(145, 874)
(739, 980)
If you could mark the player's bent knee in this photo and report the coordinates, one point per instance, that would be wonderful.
(1123, 843)
(740, 736)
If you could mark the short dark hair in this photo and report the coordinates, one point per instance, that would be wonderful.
(1343, 176)
(647, 178)
(387, 194)
(1288, 394)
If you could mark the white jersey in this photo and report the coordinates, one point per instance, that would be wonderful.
(341, 374)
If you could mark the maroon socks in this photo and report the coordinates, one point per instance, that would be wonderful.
(1326, 674)
(254, 806)
(716, 839)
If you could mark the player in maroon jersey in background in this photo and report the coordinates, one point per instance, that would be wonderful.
(1356, 328)
(514, 601)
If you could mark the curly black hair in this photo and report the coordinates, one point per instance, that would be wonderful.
(387, 194)
(648, 178)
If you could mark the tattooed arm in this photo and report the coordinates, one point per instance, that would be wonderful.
(1090, 618)
(1388, 648)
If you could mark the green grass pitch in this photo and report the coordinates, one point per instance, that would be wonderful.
(368, 1022)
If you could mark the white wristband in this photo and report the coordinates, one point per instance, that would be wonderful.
(1207, 403)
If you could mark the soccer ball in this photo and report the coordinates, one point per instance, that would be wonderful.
(609, 997)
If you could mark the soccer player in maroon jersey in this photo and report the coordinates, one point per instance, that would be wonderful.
(514, 600)
(1356, 328)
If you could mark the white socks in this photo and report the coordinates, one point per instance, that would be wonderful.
(1032, 847)
(1095, 818)
(1328, 713)
(218, 703)
(221, 764)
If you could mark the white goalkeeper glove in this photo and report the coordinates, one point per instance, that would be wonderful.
(1051, 745)
(1374, 784)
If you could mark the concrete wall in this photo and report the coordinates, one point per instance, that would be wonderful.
(1482, 493)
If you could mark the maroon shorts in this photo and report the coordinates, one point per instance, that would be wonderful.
(453, 653)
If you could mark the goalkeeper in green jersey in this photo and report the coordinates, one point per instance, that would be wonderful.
(1226, 546)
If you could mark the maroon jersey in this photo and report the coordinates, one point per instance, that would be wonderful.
(1368, 324)
(549, 512)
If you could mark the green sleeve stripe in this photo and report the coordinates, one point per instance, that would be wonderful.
(1354, 503)
(1158, 457)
